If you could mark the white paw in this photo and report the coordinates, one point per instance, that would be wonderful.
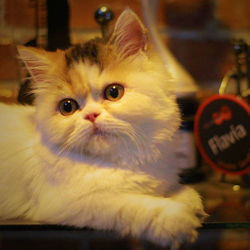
(193, 202)
(173, 226)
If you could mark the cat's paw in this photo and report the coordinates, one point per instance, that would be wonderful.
(173, 227)
(192, 200)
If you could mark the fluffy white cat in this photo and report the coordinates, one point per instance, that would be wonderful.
(97, 149)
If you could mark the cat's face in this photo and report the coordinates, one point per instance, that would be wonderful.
(112, 101)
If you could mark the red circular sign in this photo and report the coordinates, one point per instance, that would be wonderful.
(222, 132)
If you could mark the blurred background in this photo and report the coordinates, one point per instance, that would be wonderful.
(200, 34)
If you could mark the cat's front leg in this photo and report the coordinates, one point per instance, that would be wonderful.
(162, 220)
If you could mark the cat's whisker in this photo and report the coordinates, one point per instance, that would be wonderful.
(63, 149)
(129, 132)
(140, 141)
(119, 127)
(72, 139)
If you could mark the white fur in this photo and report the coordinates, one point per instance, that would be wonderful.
(55, 170)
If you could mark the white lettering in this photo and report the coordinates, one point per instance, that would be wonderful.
(213, 146)
(241, 131)
(224, 139)
(223, 142)
(233, 131)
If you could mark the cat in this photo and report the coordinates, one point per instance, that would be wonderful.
(97, 148)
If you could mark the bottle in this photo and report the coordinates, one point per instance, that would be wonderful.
(187, 154)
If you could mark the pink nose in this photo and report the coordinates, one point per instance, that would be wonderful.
(91, 117)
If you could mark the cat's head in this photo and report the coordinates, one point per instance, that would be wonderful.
(105, 99)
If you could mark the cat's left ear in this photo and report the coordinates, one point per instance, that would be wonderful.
(130, 35)
(36, 61)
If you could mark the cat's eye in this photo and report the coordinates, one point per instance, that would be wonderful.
(113, 92)
(68, 106)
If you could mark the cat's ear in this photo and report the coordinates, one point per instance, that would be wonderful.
(36, 61)
(130, 36)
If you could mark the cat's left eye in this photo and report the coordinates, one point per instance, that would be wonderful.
(68, 106)
(113, 92)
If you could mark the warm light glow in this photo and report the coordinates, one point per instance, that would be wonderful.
(104, 9)
(236, 188)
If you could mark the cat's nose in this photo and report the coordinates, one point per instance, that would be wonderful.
(91, 117)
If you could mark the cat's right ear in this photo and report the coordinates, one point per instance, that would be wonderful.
(36, 61)
(130, 35)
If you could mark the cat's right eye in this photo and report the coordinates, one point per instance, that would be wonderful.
(68, 106)
(114, 92)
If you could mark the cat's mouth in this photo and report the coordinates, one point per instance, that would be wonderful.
(99, 132)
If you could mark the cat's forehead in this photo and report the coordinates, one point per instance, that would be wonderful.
(91, 66)
(84, 78)
(89, 51)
